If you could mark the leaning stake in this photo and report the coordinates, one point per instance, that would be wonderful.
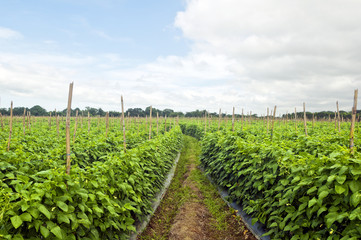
(124, 143)
(304, 118)
(150, 123)
(273, 121)
(354, 111)
(68, 129)
(11, 124)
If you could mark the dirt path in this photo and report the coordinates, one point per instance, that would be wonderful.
(192, 209)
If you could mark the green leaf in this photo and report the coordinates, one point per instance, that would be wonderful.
(354, 185)
(62, 218)
(331, 178)
(339, 189)
(312, 202)
(323, 194)
(355, 199)
(311, 190)
(16, 221)
(321, 210)
(26, 217)
(356, 171)
(355, 214)
(63, 206)
(341, 179)
(44, 211)
(254, 220)
(44, 231)
(331, 218)
(57, 232)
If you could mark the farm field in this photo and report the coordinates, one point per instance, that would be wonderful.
(106, 191)
(298, 186)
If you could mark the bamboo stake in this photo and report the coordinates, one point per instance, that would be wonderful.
(49, 121)
(24, 121)
(304, 118)
(76, 124)
(165, 123)
(336, 120)
(98, 121)
(267, 120)
(233, 120)
(219, 119)
(124, 140)
(150, 123)
(88, 122)
(273, 121)
(29, 121)
(2, 124)
(242, 120)
(68, 129)
(11, 125)
(295, 120)
(205, 122)
(106, 124)
(338, 117)
(354, 111)
(57, 124)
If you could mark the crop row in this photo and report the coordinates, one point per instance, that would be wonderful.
(105, 193)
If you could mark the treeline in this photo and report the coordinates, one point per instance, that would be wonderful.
(135, 112)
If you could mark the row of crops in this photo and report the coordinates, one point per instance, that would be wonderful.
(300, 187)
(107, 191)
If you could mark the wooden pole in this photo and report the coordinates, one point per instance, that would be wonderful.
(29, 121)
(338, 117)
(219, 119)
(88, 122)
(304, 118)
(2, 124)
(11, 125)
(124, 140)
(76, 124)
(57, 124)
(295, 120)
(242, 120)
(205, 122)
(106, 124)
(24, 121)
(267, 120)
(68, 129)
(354, 112)
(273, 121)
(150, 123)
(233, 120)
(165, 123)
(49, 120)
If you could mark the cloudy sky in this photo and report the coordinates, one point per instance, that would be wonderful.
(181, 54)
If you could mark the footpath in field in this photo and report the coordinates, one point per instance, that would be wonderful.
(192, 207)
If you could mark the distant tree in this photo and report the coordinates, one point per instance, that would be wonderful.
(19, 111)
(38, 111)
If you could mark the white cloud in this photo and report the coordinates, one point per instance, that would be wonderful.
(7, 33)
(283, 52)
(251, 54)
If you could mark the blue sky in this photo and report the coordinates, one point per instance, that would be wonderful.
(184, 55)
(136, 30)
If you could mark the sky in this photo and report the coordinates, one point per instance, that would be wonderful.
(181, 54)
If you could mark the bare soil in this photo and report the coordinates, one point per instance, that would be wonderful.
(190, 219)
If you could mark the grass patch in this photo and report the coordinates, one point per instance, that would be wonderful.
(175, 197)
